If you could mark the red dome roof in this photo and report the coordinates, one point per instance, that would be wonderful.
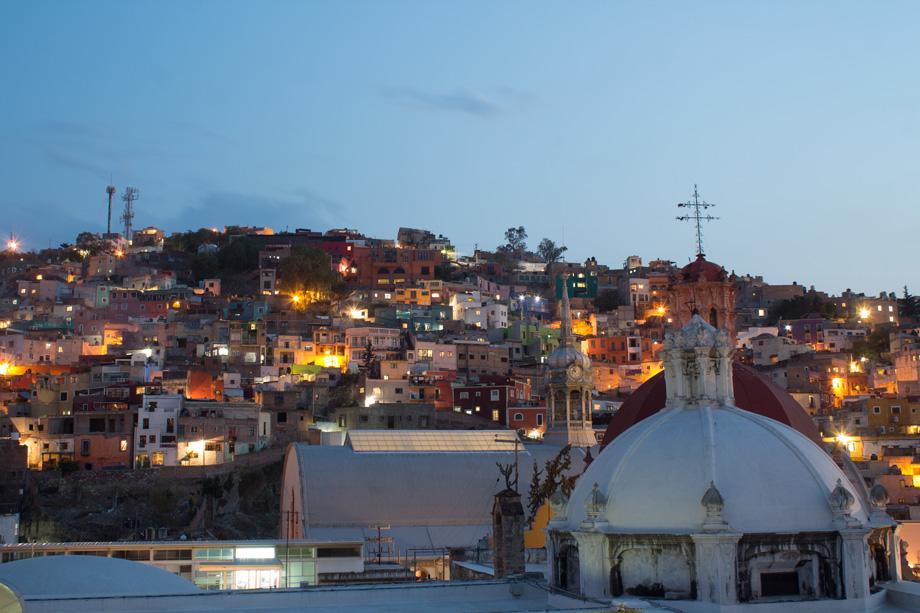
(752, 393)
(702, 270)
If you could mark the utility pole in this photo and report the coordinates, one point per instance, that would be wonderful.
(697, 217)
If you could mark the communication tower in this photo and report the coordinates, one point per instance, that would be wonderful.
(131, 194)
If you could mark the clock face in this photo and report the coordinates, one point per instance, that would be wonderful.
(574, 371)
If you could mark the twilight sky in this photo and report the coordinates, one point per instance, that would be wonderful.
(800, 120)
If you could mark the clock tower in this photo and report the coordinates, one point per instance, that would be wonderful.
(569, 386)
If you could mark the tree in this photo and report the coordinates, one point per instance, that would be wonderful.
(800, 306)
(516, 239)
(367, 357)
(607, 300)
(909, 305)
(306, 269)
(204, 266)
(549, 252)
(874, 344)
(189, 242)
(534, 495)
(89, 242)
(555, 479)
(239, 255)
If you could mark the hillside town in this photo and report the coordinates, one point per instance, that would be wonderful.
(326, 388)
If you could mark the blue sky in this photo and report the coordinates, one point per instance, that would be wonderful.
(800, 120)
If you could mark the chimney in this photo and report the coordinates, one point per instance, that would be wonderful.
(508, 534)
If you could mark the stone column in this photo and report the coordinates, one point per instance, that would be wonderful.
(854, 562)
(894, 554)
(717, 566)
(594, 564)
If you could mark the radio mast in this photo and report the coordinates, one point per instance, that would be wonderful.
(131, 194)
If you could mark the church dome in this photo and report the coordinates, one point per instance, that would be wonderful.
(656, 475)
(702, 270)
(752, 393)
(565, 356)
(703, 501)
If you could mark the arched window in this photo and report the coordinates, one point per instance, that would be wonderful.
(518, 417)
(714, 317)
(383, 271)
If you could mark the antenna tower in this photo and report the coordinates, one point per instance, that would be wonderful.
(131, 194)
(697, 216)
(110, 190)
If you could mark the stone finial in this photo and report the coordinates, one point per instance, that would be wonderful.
(697, 365)
(713, 502)
(841, 500)
(878, 495)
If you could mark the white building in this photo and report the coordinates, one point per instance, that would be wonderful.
(716, 508)
(156, 431)
(767, 349)
(473, 309)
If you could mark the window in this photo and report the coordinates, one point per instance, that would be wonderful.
(158, 458)
(464, 395)
(123, 445)
(494, 395)
(876, 410)
(142, 441)
(494, 414)
(518, 417)
(84, 447)
(539, 419)
(282, 417)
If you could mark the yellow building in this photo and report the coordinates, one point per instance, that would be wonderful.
(413, 295)
(897, 412)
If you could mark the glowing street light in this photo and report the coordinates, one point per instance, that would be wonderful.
(12, 245)
(864, 313)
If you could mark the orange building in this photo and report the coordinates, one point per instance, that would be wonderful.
(391, 266)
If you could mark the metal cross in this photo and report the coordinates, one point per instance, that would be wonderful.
(698, 206)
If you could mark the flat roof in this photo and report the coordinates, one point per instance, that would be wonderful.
(188, 544)
(415, 441)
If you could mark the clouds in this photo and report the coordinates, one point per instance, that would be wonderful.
(299, 208)
(501, 101)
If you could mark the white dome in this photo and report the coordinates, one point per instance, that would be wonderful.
(653, 476)
(77, 576)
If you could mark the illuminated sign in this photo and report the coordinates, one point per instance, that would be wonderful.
(255, 553)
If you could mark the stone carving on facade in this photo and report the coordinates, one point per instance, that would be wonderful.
(557, 505)
(595, 506)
